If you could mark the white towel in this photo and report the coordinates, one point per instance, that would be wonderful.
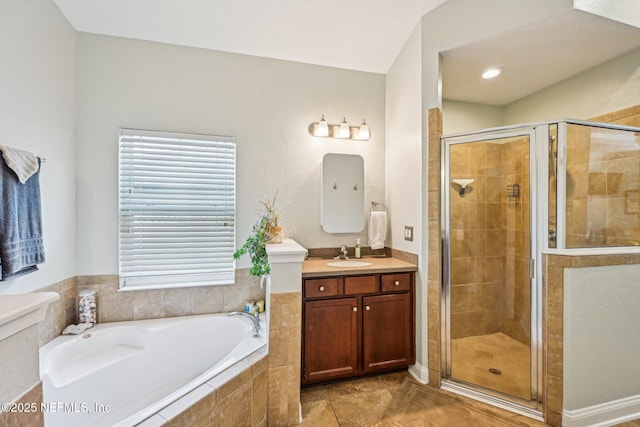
(377, 229)
(23, 163)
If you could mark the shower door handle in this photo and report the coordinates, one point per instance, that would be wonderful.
(532, 268)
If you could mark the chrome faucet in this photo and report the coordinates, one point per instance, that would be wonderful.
(254, 320)
(343, 253)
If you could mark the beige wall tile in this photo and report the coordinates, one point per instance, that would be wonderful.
(201, 413)
(259, 393)
(284, 358)
(434, 254)
(24, 418)
(278, 399)
(234, 383)
(433, 183)
(434, 242)
(209, 299)
(61, 312)
(235, 409)
(148, 304)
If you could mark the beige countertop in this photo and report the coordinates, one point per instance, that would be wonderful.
(317, 267)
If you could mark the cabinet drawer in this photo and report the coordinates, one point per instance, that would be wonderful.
(360, 285)
(396, 282)
(314, 288)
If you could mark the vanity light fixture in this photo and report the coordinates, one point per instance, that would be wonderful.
(363, 132)
(491, 73)
(322, 129)
(344, 132)
(341, 131)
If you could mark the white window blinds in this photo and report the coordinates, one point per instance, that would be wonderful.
(177, 209)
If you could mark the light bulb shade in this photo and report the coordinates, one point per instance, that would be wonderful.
(322, 129)
(363, 132)
(344, 131)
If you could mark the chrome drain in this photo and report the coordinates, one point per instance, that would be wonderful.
(495, 371)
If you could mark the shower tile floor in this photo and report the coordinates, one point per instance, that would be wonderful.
(472, 357)
(398, 400)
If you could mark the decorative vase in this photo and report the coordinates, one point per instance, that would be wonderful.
(277, 234)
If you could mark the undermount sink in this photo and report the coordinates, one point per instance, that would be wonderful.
(348, 263)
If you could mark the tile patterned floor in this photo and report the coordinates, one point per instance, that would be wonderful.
(397, 400)
(473, 356)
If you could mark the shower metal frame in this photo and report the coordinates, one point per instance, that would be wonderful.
(538, 140)
(539, 232)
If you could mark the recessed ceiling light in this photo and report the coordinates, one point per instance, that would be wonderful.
(491, 73)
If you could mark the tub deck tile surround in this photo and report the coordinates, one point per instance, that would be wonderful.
(237, 397)
(285, 325)
(139, 305)
(60, 313)
(115, 306)
(24, 418)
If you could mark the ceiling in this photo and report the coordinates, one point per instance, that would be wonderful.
(534, 57)
(364, 35)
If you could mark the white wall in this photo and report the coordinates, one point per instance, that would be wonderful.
(37, 114)
(403, 151)
(464, 116)
(601, 340)
(266, 104)
(605, 88)
(404, 167)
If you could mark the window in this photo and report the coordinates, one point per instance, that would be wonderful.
(177, 209)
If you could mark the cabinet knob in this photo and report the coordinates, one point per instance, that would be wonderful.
(367, 307)
(321, 288)
(397, 283)
(355, 308)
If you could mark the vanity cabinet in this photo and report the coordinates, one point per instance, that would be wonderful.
(357, 325)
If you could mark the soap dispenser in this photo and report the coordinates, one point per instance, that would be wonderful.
(358, 248)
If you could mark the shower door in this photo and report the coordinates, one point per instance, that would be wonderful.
(489, 343)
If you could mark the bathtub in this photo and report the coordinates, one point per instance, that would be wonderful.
(118, 374)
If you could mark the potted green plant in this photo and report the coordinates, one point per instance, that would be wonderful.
(265, 230)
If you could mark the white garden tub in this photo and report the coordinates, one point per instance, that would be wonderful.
(118, 374)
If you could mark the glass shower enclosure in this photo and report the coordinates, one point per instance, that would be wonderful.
(508, 194)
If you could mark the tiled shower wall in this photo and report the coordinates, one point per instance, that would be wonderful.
(516, 296)
(477, 241)
(490, 241)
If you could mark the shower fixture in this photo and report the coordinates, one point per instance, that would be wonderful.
(461, 185)
(513, 191)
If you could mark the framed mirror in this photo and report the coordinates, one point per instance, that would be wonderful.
(342, 193)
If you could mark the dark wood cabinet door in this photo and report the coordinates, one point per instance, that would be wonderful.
(387, 327)
(330, 339)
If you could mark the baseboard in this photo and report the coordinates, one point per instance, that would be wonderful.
(420, 373)
(604, 414)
